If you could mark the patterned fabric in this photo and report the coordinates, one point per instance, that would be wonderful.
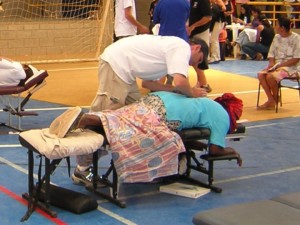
(143, 148)
(155, 103)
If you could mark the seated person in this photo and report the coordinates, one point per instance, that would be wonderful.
(13, 73)
(284, 57)
(264, 37)
(249, 33)
(150, 123)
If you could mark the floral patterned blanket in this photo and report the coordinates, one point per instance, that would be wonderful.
(143, 148)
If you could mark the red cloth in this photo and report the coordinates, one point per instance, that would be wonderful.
(234, 107)
(223, 35)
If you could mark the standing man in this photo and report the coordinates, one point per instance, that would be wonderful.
(199, 22)
(126, 23)
(173, 16)
(148, 57)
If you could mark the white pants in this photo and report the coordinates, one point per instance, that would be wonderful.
(214, 42)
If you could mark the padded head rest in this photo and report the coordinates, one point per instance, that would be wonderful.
(65, 122)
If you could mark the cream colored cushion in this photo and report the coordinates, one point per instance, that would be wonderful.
(77, 142)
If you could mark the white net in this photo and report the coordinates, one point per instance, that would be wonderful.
(55, 30)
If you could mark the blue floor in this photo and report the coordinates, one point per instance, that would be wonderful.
(271, 167)
(242, 67)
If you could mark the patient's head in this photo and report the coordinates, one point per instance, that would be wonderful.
(29, 73)
(234, 107)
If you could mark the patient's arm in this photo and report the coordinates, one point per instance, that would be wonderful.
(215, 150)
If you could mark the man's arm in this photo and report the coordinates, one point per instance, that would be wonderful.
(201, 22)
(141, 28)
(181, 85)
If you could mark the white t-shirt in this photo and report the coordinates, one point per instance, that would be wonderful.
(285, 48)
(122, 26)
(11, 72)
(148, 57)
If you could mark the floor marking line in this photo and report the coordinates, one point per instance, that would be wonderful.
(10, 146)
(258, 175)
(19, 199)
(15, 166)
(115, 216)
(72, 69)
(51, 109)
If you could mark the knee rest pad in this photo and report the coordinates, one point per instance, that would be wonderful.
(69, 200)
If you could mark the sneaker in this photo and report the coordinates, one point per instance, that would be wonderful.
(206, 87)
(83, 177)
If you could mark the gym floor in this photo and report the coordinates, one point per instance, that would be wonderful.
(270, 153)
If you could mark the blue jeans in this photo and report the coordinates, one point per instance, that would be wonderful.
(252, 48)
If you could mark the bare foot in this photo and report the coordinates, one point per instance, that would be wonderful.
(217, 151)
(267, 106)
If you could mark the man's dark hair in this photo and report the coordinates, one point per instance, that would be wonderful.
(285, 23)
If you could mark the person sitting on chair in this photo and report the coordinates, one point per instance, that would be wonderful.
(284, 57)
(13, 73)
(146, 127)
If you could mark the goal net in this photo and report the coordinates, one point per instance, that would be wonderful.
(34, 31)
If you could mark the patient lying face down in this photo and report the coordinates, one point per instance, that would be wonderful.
(179, 112)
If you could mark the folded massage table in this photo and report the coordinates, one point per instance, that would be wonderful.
(78, 143)
(281, 210)
(32, 85)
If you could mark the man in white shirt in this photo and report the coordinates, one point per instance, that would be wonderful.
(149, 58)
(126, 23)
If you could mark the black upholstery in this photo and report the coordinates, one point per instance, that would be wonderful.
(276, 211)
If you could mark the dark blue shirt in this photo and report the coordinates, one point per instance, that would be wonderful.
(172, 15)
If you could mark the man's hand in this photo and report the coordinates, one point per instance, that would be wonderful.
(143, 30)
(199, 92)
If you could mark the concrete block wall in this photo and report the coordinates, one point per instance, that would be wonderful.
(51, 39)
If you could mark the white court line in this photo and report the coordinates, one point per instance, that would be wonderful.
(51, 109)
(259, 175)
(72, 69)
(236, 92)
(115, 216)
